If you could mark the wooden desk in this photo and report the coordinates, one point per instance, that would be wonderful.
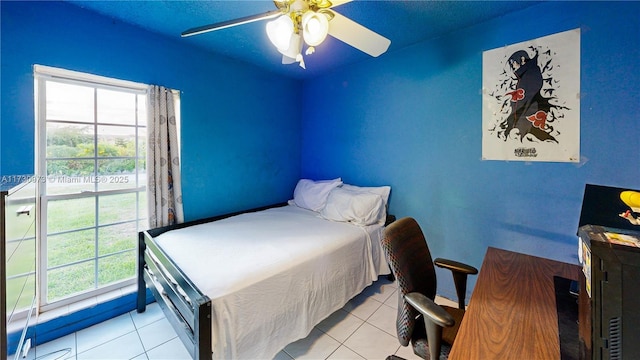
(512, 311)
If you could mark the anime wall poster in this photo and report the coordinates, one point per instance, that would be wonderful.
(531, 100)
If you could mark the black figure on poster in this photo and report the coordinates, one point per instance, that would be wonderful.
(530, 110)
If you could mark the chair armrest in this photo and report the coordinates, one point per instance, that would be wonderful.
(435, 318)
(429, 309)
(460, 272)
(455, 266)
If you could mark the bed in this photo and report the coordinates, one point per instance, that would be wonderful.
(244, 285)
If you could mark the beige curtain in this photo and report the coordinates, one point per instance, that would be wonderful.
(164, 192)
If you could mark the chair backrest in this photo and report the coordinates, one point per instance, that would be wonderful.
(408, 255)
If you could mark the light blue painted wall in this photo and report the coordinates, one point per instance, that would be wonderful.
(237, 152)
(412, 119)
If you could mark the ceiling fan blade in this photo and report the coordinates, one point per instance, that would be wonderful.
(358, 36)
(225, 24)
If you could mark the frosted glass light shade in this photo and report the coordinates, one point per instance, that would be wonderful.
(294, 47)
(279, 32)
(315, 27)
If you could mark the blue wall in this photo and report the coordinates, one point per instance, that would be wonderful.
(236, 152)
(412, 119)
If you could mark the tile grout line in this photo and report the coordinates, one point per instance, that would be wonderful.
(135, 326)
(377, 295)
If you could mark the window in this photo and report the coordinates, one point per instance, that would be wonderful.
(91, 153)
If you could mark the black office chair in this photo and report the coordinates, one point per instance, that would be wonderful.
(429, 327)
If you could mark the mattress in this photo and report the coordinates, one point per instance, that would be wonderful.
(273, 275)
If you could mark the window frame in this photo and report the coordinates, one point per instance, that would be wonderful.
(42, 74)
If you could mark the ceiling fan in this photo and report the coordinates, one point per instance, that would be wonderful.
(299, 22)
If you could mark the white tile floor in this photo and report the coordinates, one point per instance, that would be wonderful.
(363, 329)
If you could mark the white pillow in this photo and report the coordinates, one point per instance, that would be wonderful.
(312, 195)
(383, 191)
(358, 207)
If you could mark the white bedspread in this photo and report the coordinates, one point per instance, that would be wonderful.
(273, 275)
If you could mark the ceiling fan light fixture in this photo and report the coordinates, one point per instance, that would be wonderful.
(279, 32)
(294, 53)
(315, 27)
(294, 46)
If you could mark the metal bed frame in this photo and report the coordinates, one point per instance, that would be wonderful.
(185, 306)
